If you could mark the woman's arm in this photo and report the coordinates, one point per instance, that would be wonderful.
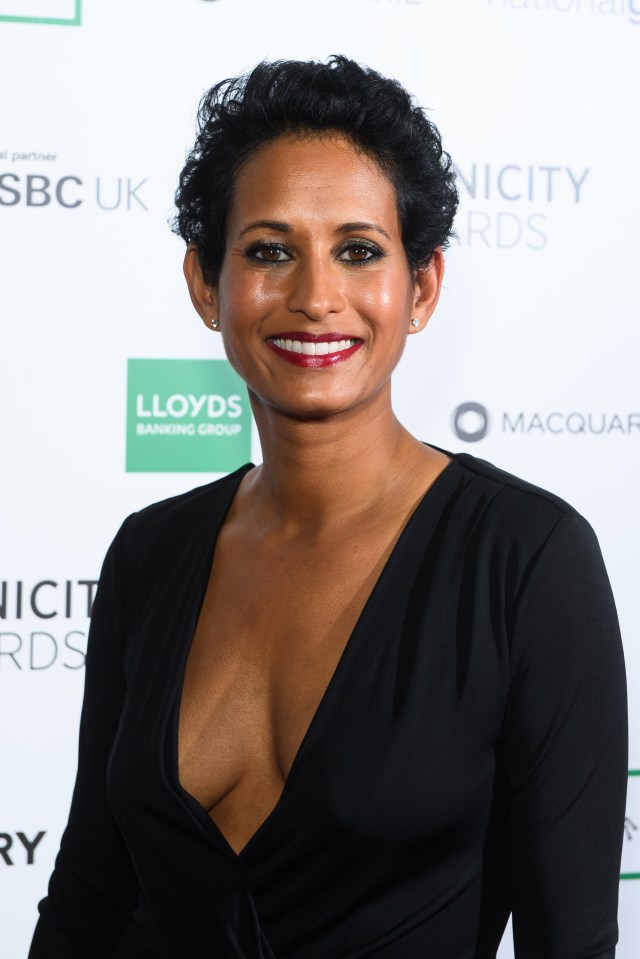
(93, 888)
(566, 743)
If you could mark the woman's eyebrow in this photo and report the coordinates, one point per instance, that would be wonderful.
(361, 225)
(276, 225)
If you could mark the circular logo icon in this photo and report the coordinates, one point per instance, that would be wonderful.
(470, 422)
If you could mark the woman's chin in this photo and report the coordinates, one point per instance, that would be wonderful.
(311, 409)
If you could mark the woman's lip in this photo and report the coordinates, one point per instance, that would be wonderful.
(313, 337)
(314, 362)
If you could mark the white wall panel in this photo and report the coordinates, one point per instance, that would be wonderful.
(538, 321)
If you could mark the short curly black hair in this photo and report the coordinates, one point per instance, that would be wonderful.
(239, 115)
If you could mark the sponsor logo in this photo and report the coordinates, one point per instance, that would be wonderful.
(69, 190)
(410, 3)
(17, 849)
(628, 10)
(631, 844)
(45, 645)
(65, 13)
(472, 421)
(386, 2)
(575, 423)
(507, 205)
(186, 416)
(44, 185)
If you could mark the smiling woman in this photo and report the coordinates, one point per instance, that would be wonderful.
(314, 238)
(366, 698)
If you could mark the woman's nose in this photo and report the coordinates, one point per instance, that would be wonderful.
(316, 290)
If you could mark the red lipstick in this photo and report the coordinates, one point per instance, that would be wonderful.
(294, 348)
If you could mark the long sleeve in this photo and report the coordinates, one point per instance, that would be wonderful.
(468, 757)
(93, 888)
(566, 752)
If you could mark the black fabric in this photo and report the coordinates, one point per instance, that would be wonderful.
(468, 757)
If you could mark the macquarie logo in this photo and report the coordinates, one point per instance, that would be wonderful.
(472, 421)
(186, 416)
(63, 13)
(508, 205)
(630, 868)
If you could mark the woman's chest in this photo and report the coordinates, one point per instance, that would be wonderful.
(399, 717)
(261, 661)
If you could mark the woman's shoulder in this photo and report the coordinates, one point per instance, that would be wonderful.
(530, 533)
(519, 488)
(514, 508)
(179, 516)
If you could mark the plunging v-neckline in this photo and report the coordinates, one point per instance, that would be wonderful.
(192, 802)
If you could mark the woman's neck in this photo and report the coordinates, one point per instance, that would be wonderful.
(323, 473)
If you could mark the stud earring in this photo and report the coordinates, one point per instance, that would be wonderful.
(415, 322)
(215, 323)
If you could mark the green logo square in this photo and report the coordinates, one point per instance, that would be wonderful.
(62, 13)
(186, 416)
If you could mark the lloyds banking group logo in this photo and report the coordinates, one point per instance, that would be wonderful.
(186, 416)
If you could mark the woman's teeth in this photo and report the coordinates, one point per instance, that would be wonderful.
(314, 348)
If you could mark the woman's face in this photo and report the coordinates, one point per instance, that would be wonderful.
(315, 294)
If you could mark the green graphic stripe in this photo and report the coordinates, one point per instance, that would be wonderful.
(631, 875)
(74, 21)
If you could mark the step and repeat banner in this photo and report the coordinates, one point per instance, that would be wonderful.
(113, 393)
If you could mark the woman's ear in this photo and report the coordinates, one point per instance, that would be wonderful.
(203, 296)
(427, 286)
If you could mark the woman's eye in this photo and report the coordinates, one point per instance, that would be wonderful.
(359, 253)
(269, 253)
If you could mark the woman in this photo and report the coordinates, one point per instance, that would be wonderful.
(367, 698)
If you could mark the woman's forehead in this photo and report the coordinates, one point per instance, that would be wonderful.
(318, 177)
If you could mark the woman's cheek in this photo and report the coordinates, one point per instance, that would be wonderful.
(383, 300)
(248, 297)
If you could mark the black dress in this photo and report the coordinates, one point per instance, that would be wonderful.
(467, 760)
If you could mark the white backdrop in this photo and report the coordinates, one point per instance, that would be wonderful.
(537, 325)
